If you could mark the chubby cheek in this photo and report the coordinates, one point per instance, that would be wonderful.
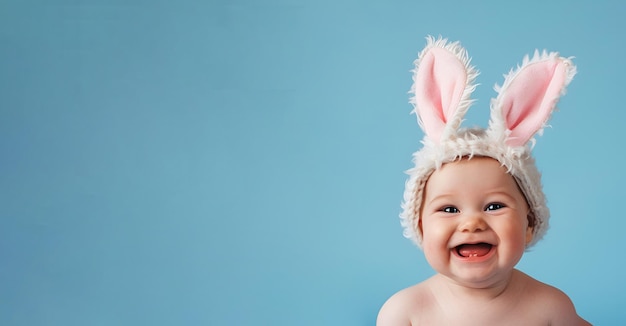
(437, 258)
(436, 232)
(435, 242)
(517, 238)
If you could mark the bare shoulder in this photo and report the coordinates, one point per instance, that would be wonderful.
(557, 305)
(403, 306)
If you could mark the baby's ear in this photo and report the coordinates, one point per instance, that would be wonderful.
(529, 234)
(442, 85)
(530, 230)
(528, 97)
(420, 229)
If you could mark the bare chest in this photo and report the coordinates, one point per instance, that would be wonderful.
(483, 315)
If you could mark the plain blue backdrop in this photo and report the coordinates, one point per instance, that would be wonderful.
(241, 162)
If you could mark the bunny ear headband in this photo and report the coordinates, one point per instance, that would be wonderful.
(443, 81)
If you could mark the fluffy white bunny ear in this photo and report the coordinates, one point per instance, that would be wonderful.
(442, 85)
(528, 96)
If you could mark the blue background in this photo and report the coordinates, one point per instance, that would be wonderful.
(241, 162)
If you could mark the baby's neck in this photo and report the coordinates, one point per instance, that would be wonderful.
(483, 292)
(502, 303)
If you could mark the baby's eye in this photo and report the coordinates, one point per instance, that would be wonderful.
(494, 206)
(450, 209)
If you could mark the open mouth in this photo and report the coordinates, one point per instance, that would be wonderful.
(473, 250)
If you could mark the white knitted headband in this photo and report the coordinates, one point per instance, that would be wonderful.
(443, 82)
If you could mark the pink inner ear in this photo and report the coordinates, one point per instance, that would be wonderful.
(530, 99)
(439, 85)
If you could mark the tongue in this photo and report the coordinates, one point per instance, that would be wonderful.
(474, 250)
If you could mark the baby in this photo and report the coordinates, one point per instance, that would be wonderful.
(474, 200)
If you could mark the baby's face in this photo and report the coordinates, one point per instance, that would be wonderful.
(474, 222)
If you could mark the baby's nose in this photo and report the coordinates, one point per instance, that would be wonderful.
(473, 223)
